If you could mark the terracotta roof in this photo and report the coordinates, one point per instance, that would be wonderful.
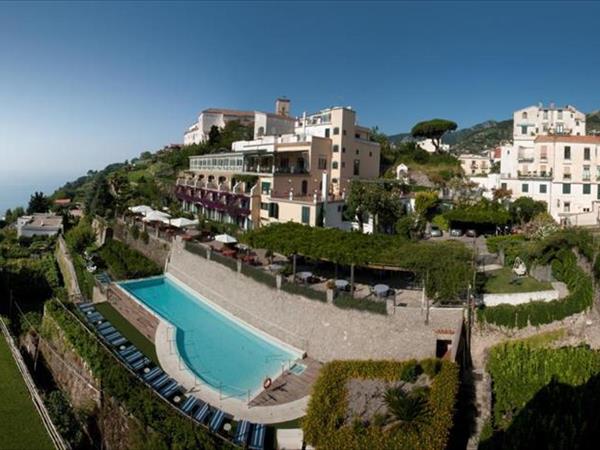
(62, 201)
(497, 153)
(573, 139)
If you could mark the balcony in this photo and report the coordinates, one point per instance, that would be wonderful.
(291, 170)
(526, 159)
(534, 175)
(234, 204)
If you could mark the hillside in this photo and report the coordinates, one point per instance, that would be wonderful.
(489, 134)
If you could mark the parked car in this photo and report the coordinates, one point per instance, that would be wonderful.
(456, 232)
(436, 232)
(471, 233)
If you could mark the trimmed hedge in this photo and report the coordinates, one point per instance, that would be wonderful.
(259, 275)
(175, 430)
(195, 249)
(230, 263)
(324, 423)
(305, 291)
(345, 301)
(580, 298)
(495, 243)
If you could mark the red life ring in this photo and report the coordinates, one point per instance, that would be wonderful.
(267, 383)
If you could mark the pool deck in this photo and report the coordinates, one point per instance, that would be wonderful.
(287, 399)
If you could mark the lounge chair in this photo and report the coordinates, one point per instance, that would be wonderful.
(108, 330)
(160, 381)
(202, 413)
(118, 341)
(112, 336)
(257, 441)
(169, 389)
(140, 364)
(216, 422)
(134, 357)
(94, 317)
(86, 306)
(242, 432)
(152, 374)
(104, 325)
(127, 351)
(188, 404)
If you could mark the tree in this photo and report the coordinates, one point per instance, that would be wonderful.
(407, 411)
(523, 209)
(380, 200)
(38, 203)
(214, 135)
(433, 129)
(426, 204)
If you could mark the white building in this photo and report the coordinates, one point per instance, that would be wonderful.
(198, 132)
(39, 225)
(553, 160)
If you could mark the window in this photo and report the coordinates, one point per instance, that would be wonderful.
(543, 188)
(567, 152)
(545, 114)
(586, 153)
(524, 115)
(344, 131)
(322, 164)
(343, 164)
(559, 114)
(274, 210)
(586, 173)
(306, 215)
(504, 186)
(326, 132)
(524, 187)
(336, 148)
(370, 153)
(265, 187)
(264, 206)
(567, 206)
(357, 135)
(587, 188)
(304, 187)
(343, 149)
(544, 152)
(334, 165)
(523, 129)
(356, 169)
(357, 151)
(336, 130)
(566, 173)
(566, 188)
(334, 180)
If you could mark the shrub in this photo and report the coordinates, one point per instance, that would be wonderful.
(441, 222)
(346, 301)
(495, 243)
(305, 291)
(123, 262)
(134, 231)
(259, 275)
(145, 237)
(324, 426)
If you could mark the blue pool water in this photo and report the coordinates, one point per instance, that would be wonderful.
(223, 353)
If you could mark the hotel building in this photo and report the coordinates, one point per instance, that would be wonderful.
(552, 159)
(293, 170)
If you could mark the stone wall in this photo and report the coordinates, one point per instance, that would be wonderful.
(156, 249)
(135, 313)
(324, 331)
(517, 298)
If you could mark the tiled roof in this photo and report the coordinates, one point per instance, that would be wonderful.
(568, 138)
(231, 112)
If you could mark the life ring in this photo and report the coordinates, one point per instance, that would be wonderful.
(267, 383)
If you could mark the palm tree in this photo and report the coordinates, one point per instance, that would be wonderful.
(408, 411)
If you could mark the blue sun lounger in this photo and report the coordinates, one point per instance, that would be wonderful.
(160, 381)
(86, 306)
(140, 364)
(127, 351)
(108, 330)
(169, 388)
(202, 413)
(133, 357)
(216, 422)
(112, 336)
(104, 325)
(242, 432)
(94, 317)
(118, 341)
(152, 374)
(257, 442)
(188, 404)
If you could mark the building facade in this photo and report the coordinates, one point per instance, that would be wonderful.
(300, 176)
(553, 160)
(198, 132)
(475, 165)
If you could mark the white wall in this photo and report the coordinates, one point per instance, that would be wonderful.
(518, 298)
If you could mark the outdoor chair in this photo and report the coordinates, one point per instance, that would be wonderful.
(202, 413)
(216, 422)
(188, 404)
(108, 330)
(168, 388)
(140, 364)
(153, 373)
(242, 433)
(257, 441)
(160, 381)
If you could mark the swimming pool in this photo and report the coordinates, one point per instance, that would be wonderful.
(227, 355)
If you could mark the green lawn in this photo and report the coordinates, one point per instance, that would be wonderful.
(20, 423)
(503, 281)
(128, 330)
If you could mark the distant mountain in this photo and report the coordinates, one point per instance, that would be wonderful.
(489, 134)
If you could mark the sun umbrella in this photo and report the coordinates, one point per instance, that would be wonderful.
(156, 216)
(225, 239)
(180, 222)
(140, 209)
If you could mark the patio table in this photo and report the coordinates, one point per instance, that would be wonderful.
(304, 276)
(341, 284)
(381, 289)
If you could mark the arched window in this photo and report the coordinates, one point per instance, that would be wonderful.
(524, 115)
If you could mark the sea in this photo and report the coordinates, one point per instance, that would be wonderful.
(16, 188)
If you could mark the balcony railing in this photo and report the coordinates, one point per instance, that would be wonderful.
(526, 159)
(534, 175)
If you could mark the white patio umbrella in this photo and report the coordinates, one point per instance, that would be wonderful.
(180, 222)
(156, 216)
(225, 239)
(140, 209)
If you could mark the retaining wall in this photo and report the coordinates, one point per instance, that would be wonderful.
(520, 297)
(135, 313)
(156, 249)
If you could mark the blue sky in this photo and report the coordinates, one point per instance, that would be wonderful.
(86, 84)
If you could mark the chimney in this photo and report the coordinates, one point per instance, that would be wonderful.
(282, 106)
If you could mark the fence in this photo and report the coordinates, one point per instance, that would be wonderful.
(55, 436)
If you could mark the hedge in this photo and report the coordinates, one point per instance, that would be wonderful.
(580, 298)
(495, 243)
(230, 263)
(175, 430)
(345, 301)
(305, 291)
(125, 263)
(543, 397)
(259, 275)
(195, 249)
(324, 426)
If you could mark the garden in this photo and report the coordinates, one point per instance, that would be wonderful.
(543, 397)
(382, 405)
(504, 281)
